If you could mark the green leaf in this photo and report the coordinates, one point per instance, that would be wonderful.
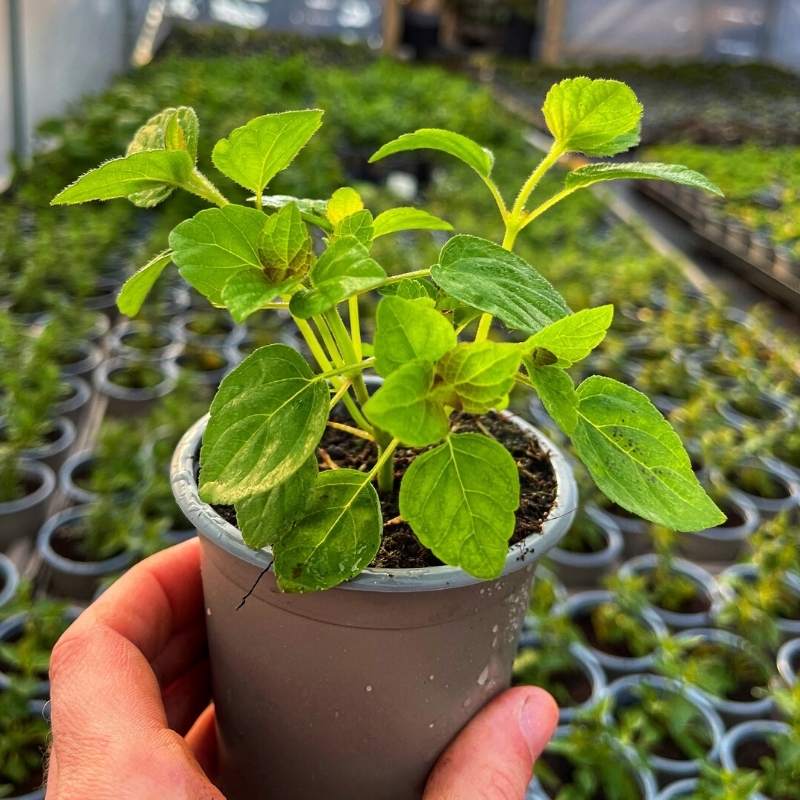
(479, 374)
(255, 153)
(129, 175)
(407, 330)
(557, 393)
(344, 269)
(596, 117)
(674, 173)
(358, 225)
(285, 248)
(248, 290)
(343, 203)
(410, 289)
(408, 219)
(636, 458)
(264, 518)
(267, 417)
(454, 144)
(572, 338)
(214, 243)
(483, 275)
(404, 406)
(335, 538)
(460, 500)
(138, 286)
(306, 205)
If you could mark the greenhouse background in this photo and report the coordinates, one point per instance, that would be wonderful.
(673, 657)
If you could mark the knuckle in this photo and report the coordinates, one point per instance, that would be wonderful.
(67, 654)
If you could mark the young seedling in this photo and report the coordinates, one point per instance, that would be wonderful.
(460, 494)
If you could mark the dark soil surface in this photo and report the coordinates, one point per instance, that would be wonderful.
(400, 548)
(697, 603)
(734, 517)
(575, 683)
(621, 649)
(750, 753)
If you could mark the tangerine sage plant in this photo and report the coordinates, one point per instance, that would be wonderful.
(460, 494)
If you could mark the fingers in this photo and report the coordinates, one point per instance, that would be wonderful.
(493, 757)
(202, 741)
(187, 697)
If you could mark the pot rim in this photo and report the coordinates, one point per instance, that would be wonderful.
(786, 657)
(678, 789)
(92, 358)
(47, 486)
(744, 731)
(65, 472)
(738, 533)
(82, 396)
(67, 434)
(601, 558)
(106, 386)
(522, 554)
(727, 592)
(11, 573)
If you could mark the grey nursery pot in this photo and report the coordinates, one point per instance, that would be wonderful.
(75, 405)
(680, 790)
(81, 360)
(9, 580)
(136, 339)
(55, 449)
(699, 615)
(22, 518)
(789, 661)
(766, 483)
(744, 744)
(636, 536)
(751, 701)
(355, 691)
(134, 401)
(586, 570)
(76, 466)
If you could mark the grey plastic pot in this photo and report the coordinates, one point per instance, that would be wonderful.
(123, 331)
(789, 628)
(21, 518)
(76, 406)
(789, 661)
(88, 358)
(724, 544)
(781, 413)
(581, 604)
(105, 297)
(587, 570)
(680, 790)
(182, 330)
(81, 460)
(125, 402)
(66, 577)
(55, 452)
(229, 356)
(394, 662)
(9, 580)
(697, 366)
(559, 594)
(624, 691)
(636, 536)
(754, 730)
(702, 579)
(770, 506)
(731, 711)
(589, 666)
(644, 777)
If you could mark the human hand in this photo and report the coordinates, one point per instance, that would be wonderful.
(130, 699)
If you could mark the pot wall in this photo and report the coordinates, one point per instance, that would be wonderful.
(21, 518)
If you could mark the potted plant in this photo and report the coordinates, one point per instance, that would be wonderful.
(23, 742)
(140, 340)
(132, 388)
(419, 507)
(714, 784)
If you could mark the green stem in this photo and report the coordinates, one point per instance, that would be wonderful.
(328, 340)
(552, 156)
(201, 186)
(355, 327)
(546, 205)
(313, 344)
(384, 466)
(346, 369)
(418, 273)
(345, 344)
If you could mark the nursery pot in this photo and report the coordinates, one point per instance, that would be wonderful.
(636, 536)
(22, 518)
(355, 691)
(9, 580)
(680, 790)
(75, 465)
(76, 405)
(55, 450)
(785, 494)
(124, 401)
(734, 754)
(703, 581)
(84, 358)
(68, 575)
(165, 343)
(789, 661)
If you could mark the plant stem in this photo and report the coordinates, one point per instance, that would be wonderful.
(330, 344)
(313, 344)
(345, 344)
(339, 393)
(355, 327)
(384, 466)
(201, 186)
(417, 273)
(339, 426)
(553, 154)
(345, 369)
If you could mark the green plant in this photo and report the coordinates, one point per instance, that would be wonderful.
(460, 497)
(23, 742)
(715, 783)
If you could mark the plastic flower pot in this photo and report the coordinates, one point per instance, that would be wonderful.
(636, 536)
(77, 465)
(138, 340)
(641, 773)
(726, 543)
(625, 692)
(699, 615)
(81, 360)
(782, 488)
(75, 405)
(579, 607)
(585, 687)
(104, 297)
(69, 575)
(9, 580)
(192, 327)
(541, 602)
(55, 449)
(208, 364)
(735, 709)
(587, 569)
(21, 518)
(789, 661)
(702, 365)
(124, 401)
(744, 745)
(393, 656)
(680, 790)
(742, 412)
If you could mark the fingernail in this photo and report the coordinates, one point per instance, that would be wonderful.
(536, 724)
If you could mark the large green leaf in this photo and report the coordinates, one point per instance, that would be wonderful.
(408, 330)
(557, 393)
(572, 338)
(138, 286)
(248, 290)
(344, 269)
(479, 375)
(651, 170)
(266, 419)
(335, 538)
(636, 458)
(460, 499)
(285, 248)
(264, 518)
(122, 177)
(255, 153)
(404, 406)
(407, 219)
(358, 225)
(214, 243)
(454, 144)
(596, 117)
(483, 275)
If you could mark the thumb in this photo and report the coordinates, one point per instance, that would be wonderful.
(493, 757)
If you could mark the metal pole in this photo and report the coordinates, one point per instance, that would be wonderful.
(17, 75)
